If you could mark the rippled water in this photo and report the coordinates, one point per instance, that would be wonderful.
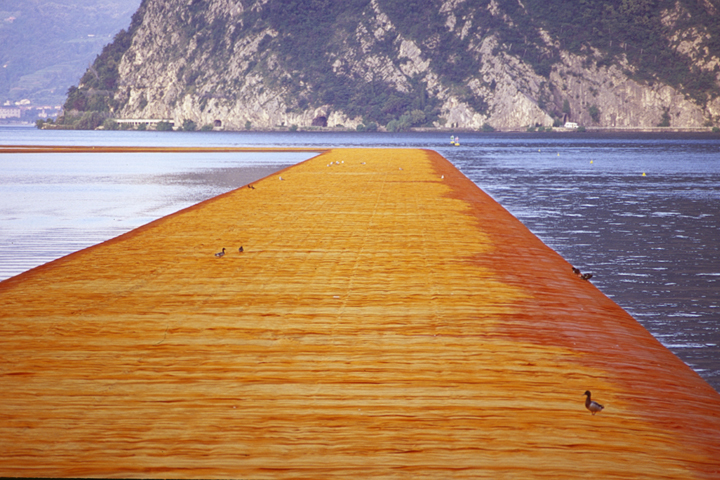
(652, 241)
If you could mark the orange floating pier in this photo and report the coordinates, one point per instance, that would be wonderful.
(386, 319)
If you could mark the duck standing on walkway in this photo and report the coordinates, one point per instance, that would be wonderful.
(594, 407)
(241, 249)
(220, 254)
(583, 276)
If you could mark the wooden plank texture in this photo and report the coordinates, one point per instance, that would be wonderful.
(387, 319)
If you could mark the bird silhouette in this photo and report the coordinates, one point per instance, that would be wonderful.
(591, 405)
(583, 276)
(220, 254)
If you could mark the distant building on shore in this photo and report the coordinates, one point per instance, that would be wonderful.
(10, 112)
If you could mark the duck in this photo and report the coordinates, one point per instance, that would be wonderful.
(241, 249)
(583, 276)
(591, 405)
(220, 254)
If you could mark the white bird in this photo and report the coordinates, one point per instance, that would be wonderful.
(594, 407)
(281, 178)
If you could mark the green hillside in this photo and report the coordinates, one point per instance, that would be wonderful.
(666, 41)
(47, 45)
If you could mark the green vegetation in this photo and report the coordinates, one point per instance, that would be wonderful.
(164, 126)
(633, 29)
(47, 45)
(665, 122)
(99, 83)
(188, 126)
(314, 37)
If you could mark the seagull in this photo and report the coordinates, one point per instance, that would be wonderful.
(281, 178)
(594, 407)
(240, 249)
(220, 254)
(583, 276)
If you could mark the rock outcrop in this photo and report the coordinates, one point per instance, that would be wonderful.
(236, 64)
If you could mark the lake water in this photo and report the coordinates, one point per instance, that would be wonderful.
(651, 240)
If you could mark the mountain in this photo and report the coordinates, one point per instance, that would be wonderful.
(410, 63)
(47, 45)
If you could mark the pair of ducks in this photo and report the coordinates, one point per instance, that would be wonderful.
(583, 276)
(222, 254)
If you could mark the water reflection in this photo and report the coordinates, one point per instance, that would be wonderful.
(56, 204)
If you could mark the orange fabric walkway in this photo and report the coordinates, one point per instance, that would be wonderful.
(387, 319)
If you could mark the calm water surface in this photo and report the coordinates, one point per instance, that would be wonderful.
(652, 241)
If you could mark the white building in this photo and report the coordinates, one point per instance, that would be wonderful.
(11, 112)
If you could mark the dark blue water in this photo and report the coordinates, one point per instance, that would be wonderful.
(652, 241)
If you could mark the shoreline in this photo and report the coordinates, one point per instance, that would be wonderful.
(521, 130)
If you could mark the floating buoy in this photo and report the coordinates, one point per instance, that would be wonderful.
(643, 174)
(558, 154)
(591, 161)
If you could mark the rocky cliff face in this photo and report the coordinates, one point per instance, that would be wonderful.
(308, 62)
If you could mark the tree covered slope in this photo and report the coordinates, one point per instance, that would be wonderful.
(411, 63)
